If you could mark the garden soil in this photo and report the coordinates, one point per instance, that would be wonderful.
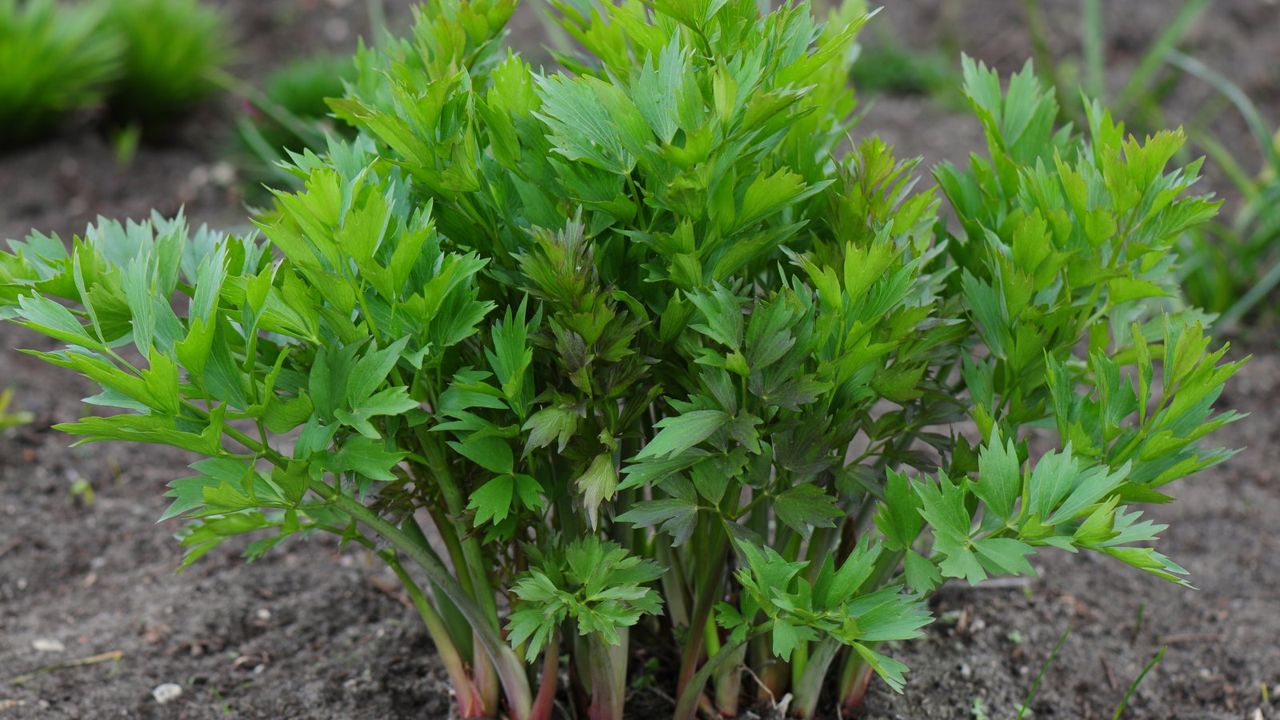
(93, 616)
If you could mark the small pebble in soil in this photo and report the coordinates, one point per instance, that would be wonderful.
(336, 29)
(168, 692)
(47, 645)
(222, 174)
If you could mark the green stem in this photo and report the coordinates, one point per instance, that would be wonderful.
(808, 687)
(470, 704)
(728, 683)
(608, 673)
(674, 587)
(510, 670)
(474, 559)
(855, 678)
(453, 546)
(459, 628)
(708, 593)
(799, 663)
(687, 705)
(545, 702)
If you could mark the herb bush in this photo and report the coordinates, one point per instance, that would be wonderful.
(642, 353)
(53, 59)
(173, 50)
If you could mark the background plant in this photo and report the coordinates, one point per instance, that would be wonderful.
(641, 352)
(173, 50)
(290, 115)
(10, 418)
(1150, 81)
(1234, 266)
(56, 59)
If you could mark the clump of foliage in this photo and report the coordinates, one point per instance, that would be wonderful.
(892, 68)
(1233, 266)
(54, 59)
(173, 50)
(11, 418)
(291, 115)
(641, 352)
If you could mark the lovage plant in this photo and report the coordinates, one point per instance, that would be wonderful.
(647, 353)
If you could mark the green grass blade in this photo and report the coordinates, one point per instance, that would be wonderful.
(1035, 686)
(1232, 92)
(1165, 44)
(1255, 295)
(1134, 685)
(1093, 37)
(1228, 164)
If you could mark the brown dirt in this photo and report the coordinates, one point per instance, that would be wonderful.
(314, 632)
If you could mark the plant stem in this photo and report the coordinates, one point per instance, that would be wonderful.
(808, 687)
(544, 703)
(728, 683)
(510, 670)
(474, 562)
(459, 628)
(855, 678)
(470, 704)
(687, 703)
(608, 671)
(708, 593)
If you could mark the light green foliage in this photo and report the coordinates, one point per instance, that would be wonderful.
(655, 351)
(596, 583)
(171, 49)
(55, 59)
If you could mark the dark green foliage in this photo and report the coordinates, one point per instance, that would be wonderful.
(655, 351)
(891, 68)
(53, 59)
(171, 50)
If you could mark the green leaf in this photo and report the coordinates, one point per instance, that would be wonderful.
(597, 484)
(922, 575)
(999, 482)
(805, 507)
(46, 316)
(1004, 555)
(682, 432)
(371, 371)
(899, 515)
(365, 457)
(787, 637)
(492, 500)
(676, 516)
(891, 671)
(550, 424)
(491, 453)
